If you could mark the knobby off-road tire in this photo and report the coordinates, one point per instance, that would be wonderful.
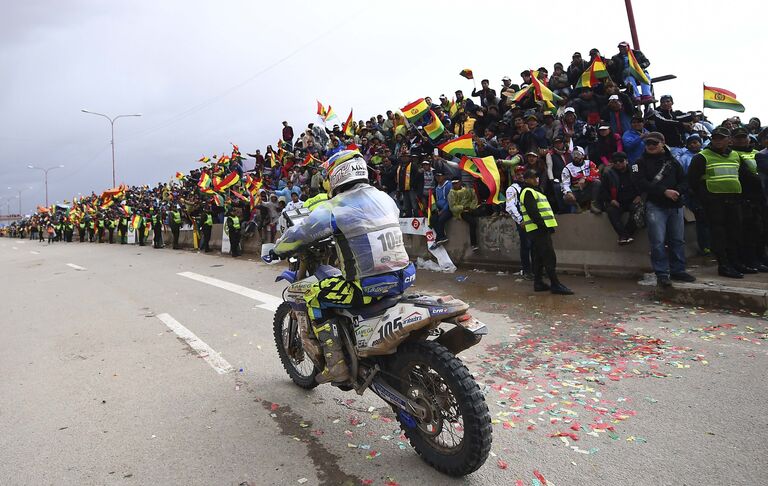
(468, 403)
(306, 381)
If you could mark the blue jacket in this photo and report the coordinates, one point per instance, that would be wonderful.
(441, 195)
(634, 145)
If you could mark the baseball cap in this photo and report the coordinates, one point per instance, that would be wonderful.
(623, 43)
(618, 156)
(531, 153)
(654, 136)
(604, 127)
(665, 98)
(570, 109)
(613, 97)
(506, 78)
(740, 132)
(692, 137)
(721, 132)
(454, 181)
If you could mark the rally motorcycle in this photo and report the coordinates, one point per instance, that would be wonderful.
(404, 350)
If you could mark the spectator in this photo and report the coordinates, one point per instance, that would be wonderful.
(632, 139)
(660, 177)
(288, 135)
(410, 183)
(441, 212)
(513, 208)
(486, 94)
(463, 204)
(557, 158)
(576, 68)
(558, 82)
(580, 182)
(617, 116)
(622, 74)
(607, 144)
(620, 196)
(668, 122)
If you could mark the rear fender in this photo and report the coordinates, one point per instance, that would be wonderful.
(465, 333)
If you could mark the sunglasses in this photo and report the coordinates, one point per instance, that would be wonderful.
(652, 142)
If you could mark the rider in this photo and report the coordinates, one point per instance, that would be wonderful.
(374, 264)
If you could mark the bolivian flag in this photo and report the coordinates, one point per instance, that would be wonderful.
(635, 69)
(435, 127)
(542, 93)
(228, 181)
(347, 129)
(415, 110)
(487, 171)
(459, 146)
(721, 99)
(135, 221)
(589, 78)
(330, 114)
(179, 176)
(204, 184)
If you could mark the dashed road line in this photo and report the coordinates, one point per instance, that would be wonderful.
(76, 267)
(34, 252)
(203, 350)
(270, 302)
(14, 248)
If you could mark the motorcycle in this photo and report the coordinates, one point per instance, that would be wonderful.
(404, 349)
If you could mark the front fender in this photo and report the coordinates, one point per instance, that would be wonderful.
(287, 275)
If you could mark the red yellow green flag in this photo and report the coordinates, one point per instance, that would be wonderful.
(721, 99)
(179, 176)
(308, 160)
(466, 73)
(135, 221)
(347, 129)
(204, 184)
(542, 93)
(330, 114)
(415, 110)
(634, 68)
(487, 171)
(459, 146)
(596, 71)
(453, 108)
(228, 181)
(435, 127)
(321, 109)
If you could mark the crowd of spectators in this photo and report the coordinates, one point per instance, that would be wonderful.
(584, 148)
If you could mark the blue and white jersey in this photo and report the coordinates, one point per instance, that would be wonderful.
(365, 224)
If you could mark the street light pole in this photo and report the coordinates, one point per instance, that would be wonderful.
(112, 141)
(19, 196)
(45, 171)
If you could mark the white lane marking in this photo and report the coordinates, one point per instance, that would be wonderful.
(271, 302)
(34, 252)
(76, 267)
(14, 248)
(203, 350)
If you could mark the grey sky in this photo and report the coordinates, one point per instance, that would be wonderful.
(205, 74)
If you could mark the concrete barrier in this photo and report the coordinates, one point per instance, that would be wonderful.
(585, 243)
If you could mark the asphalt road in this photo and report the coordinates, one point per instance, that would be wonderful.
(603, 388)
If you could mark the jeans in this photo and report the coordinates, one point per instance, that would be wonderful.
(438, 220)
(614, 216)
(525, 249)
(410, 207)
(632, 82)
(666, 228)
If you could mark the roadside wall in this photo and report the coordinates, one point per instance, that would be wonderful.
(585, 243)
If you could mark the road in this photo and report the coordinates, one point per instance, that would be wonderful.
(603, 388)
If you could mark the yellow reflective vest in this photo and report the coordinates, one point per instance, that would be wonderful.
(721, 174)
(544, 209)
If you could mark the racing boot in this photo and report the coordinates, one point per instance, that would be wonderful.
(336, 369)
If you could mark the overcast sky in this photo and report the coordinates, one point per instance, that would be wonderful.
(205, 74)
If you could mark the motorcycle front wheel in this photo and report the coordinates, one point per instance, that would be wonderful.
(297, 364)
(455, 436)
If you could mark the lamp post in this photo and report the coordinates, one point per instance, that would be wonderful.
(632, 27)
(112, 124)
(19, 191)
(45, 171)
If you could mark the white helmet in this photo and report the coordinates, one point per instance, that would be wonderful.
(344, 167)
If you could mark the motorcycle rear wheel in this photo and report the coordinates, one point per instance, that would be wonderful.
(297, 364)
(437, 380)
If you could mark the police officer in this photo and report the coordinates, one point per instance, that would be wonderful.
(753, 206)
(69, 229)
(205, 223)
(122, 229)
(233, 225)
(175, 223)
(157, 227)
(111, 225)
(715, 175)
(539, 223)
